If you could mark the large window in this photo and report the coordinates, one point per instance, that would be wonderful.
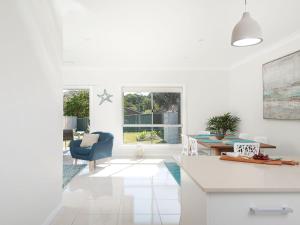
(152, 115)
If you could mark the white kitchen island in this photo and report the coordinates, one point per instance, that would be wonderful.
(216, 192)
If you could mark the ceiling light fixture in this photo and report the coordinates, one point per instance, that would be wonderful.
(246, 32)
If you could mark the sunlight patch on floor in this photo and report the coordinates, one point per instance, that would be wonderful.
(128, 168)
(121, 192)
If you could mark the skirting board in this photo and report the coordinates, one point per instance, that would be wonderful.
(151, 154)
(149, 151)
(52, 215)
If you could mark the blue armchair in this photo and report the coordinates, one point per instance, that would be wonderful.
(100, 150)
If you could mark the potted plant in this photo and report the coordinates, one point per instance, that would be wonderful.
(76, 110)
(220, 125)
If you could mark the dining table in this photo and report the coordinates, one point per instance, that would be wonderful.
(217, 146)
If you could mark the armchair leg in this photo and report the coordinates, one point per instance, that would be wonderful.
(75, 161)
(92, 165)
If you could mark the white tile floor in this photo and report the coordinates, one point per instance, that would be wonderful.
(127, 192)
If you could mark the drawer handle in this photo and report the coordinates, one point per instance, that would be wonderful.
(282, 210)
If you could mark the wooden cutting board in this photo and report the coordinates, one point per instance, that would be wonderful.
(268, 162)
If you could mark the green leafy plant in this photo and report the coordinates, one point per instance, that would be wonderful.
(77, 104)
(147, 135)
(141, 136)
(221, 125)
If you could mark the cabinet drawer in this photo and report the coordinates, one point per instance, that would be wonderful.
(253, 208)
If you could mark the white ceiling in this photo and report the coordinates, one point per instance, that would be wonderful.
(168, 34)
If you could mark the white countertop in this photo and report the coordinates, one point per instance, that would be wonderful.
(214, 175)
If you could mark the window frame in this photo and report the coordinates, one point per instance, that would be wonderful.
(155, 89)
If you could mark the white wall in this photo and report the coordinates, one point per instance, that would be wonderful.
(205, 95)
(30, 112)
(246, 99)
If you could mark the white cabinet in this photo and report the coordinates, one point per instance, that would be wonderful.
(193, 202)
(270, 208)
(233, 208)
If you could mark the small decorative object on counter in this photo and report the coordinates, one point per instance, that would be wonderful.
(261, 156)
(259, 159)
(247, 149)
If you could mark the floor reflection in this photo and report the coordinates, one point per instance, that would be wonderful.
(124, 192)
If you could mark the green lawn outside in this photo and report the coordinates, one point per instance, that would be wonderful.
(130, 138)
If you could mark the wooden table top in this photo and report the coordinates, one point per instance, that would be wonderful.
(222, 145)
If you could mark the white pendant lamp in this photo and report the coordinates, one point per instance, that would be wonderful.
(246, 32)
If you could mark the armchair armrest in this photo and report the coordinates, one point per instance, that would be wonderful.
(103, 143)
(102, 149)
(75, 143)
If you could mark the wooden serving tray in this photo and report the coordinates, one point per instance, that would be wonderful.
(268, 162)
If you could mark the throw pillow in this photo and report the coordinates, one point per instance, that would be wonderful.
(89, 139)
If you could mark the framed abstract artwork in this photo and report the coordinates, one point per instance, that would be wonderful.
(281, 88)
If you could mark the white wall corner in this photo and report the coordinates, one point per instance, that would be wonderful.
(295, 36)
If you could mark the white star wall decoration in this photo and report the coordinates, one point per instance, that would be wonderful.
(105, 97)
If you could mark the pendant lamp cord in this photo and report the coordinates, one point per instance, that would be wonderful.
(245, 5)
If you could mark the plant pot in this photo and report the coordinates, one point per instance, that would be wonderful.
(70, 122)
(220, 136)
